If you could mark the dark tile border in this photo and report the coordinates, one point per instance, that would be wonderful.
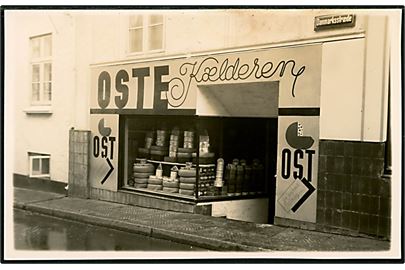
(23, 181)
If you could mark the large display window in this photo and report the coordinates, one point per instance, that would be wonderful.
(198, 158)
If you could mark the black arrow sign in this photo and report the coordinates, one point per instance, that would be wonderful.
(108, 173)
(311, 189)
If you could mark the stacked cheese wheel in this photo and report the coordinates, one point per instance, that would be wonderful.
(187, 181)
(149, 139)
(158, 152)
(145, 152)
(141, 173)
(161, 137)
(170, 185)
(188, 141)
(154, 183)
(173, 146)
(185, 154)
(174, 143)
(204, 158)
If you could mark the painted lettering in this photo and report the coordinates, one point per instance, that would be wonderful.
(96, 148)
(104, 89)
(285, 163)
(122, 76)
(298, 174)
(298, 156)
(112, 140)
(140, 73)
(106, 145)
(309, 153)
(160, 105)
(211, 69)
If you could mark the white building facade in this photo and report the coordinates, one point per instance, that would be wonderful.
(329, 71)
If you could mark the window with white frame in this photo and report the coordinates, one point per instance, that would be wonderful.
(39, 165)
(41, 69)
(146, 33)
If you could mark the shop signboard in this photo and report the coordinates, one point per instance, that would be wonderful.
(104, 151)
(170, 86)
(297, 167)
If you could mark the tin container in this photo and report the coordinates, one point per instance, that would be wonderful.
(159, 171)
(219, 173)
(173, 172)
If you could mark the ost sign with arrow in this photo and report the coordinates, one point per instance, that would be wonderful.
(104, 151)
(297, 167)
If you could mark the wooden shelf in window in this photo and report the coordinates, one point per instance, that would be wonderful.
(174, 163)
(160, 193)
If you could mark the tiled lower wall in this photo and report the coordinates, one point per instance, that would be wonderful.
(79, 141)
(352, 194)
(43, 184)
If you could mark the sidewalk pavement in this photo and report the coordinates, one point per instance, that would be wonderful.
(198, 230)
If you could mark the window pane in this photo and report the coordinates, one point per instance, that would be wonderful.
(48, 72)
(35, 166)
(35, 47)
(48, 91)
(47, 45)
(45, 166)
(155, 37)
(35, 73)
(155, 19)
(135, 21)
(35, 91)
(135, 40)
(48, 81)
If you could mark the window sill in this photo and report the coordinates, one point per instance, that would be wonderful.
(41, 176)
(146, 53)
(45, 109)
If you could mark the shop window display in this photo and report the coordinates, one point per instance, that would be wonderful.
(199, 158)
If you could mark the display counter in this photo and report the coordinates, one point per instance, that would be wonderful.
(199, 158)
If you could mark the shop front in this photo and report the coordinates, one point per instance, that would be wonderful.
(231, 134)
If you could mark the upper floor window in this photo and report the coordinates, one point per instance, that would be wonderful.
(41, 69)
(146, 33)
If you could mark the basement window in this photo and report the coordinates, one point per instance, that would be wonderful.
(39, 165)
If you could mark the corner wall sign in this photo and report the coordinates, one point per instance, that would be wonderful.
(334, 21)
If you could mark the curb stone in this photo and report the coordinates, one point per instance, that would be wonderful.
(201, 241)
